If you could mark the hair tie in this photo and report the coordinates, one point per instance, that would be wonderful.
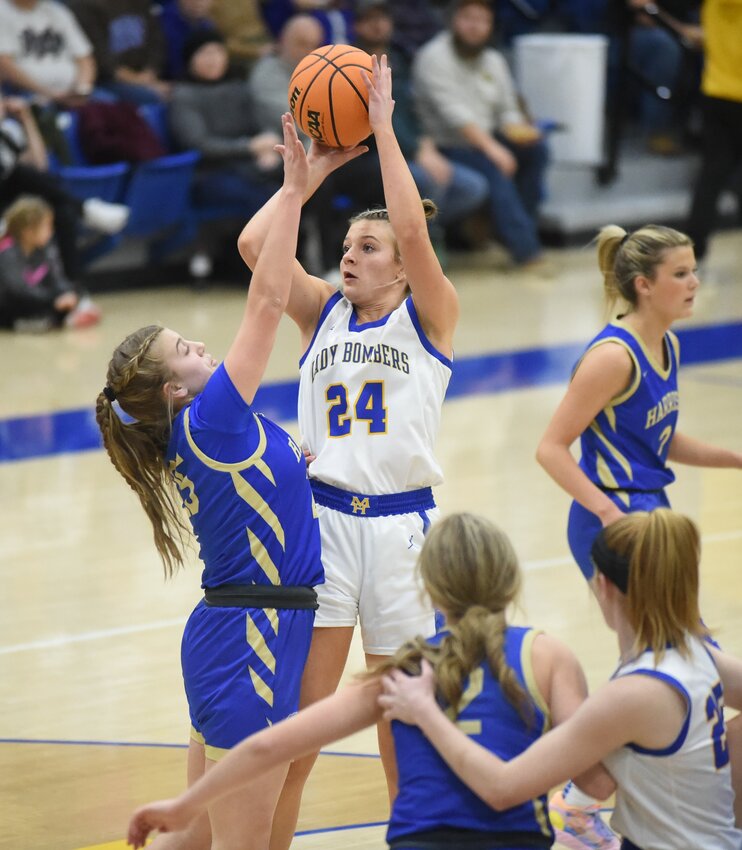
(109, 393)
(624, 239)
(614, 567)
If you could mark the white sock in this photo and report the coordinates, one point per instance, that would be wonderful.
(572, 796)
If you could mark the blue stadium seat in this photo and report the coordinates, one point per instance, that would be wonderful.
(158, 194)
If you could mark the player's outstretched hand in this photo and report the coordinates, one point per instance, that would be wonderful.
(295, 166)
(380, 102)
(405, 697)
(164, 815)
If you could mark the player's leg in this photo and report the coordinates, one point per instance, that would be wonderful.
(386, 741)
(324, 667)
(394, 606)
(198, 835)
(334, 623)
(243, 820)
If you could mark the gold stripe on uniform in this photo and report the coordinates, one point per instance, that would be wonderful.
(272, 616)
(263, 558)
(250, 495)
(620, 459)
(223, 466)
(215, 753)
(261, 688)
(526, 666)
(607, 479)
(244, 490)
(256, 642)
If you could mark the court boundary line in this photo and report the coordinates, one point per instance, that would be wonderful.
(160, 745)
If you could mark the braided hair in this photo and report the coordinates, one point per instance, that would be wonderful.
(134, 382)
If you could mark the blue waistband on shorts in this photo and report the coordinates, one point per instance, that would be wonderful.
(361, 505)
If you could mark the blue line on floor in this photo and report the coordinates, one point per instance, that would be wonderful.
(72, 431)
(151, 744)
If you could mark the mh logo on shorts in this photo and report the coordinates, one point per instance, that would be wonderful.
(361, 505)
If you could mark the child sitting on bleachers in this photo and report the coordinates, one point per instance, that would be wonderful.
(35, 295)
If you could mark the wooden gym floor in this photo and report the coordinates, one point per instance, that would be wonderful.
(93, 719)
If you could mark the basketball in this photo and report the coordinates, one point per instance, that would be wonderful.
(328, 97)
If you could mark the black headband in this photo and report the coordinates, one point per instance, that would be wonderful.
(109, 393)
(614, 567)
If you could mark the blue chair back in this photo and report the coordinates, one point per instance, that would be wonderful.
(95, 181)
(158, 193)
(68, 124)
(155, 114)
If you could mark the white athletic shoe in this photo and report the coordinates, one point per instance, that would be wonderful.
(104, 216)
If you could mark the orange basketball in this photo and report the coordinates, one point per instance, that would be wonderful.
(328, 97)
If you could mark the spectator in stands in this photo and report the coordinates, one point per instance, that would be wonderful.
(44, 52)
(246, 35)
(268, 81)
(178, 20)
(128, 47)
(336, 17)
(415, 22)
(468, 104)
(722, 115)
(23, 164)
(214, 114)
(35, 295)
(456, 189)
(658, 48)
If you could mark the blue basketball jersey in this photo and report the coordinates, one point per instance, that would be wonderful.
(626, 445)
(431, 796)
(244, 483)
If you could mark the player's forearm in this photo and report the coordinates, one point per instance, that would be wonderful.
(693, 452)
(558, 462)
(400, 191)
(254, 233)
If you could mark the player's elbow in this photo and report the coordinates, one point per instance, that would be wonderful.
(499, 797)
(247, 248)
(543, 453)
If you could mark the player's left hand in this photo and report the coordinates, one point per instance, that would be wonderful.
(406, 697)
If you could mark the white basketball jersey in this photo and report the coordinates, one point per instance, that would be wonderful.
(680, 797)
(370, 401)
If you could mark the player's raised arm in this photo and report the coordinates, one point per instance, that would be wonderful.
(434, 295)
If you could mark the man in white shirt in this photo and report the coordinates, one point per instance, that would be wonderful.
(43, 50)
(468, 104)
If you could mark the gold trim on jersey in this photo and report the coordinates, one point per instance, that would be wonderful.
(663, 372)
(256, 642)
(617, 456)
(244, 490)
(608, 480)
(262, 689)
(540, 811)
(636, 377)
(526, 665)
(263, 558)
(212, 753)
